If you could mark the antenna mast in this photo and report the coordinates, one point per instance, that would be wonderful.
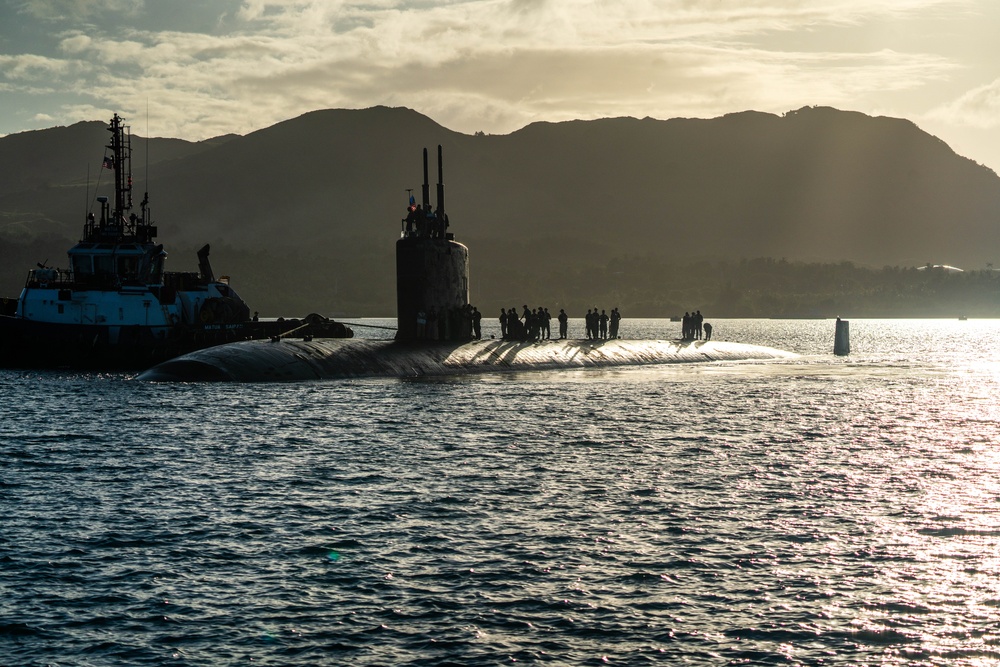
(145, 195)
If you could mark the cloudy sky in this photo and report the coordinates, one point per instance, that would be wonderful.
(209, 67)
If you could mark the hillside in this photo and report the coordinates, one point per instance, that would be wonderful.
(309, 208)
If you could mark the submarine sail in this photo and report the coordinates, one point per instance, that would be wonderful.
(432, 271)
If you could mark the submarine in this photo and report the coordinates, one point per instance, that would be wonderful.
(432, 286)
(330, 358)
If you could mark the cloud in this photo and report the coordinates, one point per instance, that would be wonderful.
(978, 108)
(76, 43)
(31, 67)
(77, 9)
(471, 64)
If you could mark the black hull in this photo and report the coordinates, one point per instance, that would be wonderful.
(26, 344)
(297, 361)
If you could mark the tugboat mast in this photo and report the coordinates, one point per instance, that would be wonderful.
(118, 223)
(121, 150)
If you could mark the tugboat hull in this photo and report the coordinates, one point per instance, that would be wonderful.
(28, 344)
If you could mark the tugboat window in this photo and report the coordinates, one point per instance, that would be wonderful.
(104, 264)
(127, 267)
(83, 265)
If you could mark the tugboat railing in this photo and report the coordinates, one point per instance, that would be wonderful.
(49, 278)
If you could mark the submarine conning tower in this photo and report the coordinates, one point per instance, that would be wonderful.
(432, 272)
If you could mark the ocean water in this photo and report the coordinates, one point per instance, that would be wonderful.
(823, 510)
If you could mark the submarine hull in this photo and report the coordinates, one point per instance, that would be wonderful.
(298, 360)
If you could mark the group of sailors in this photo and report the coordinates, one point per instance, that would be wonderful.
(533, 324)
(601, 326)
(536, 324)
(694, 327)
(423, 222)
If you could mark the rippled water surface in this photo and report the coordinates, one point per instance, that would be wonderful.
(819, 511)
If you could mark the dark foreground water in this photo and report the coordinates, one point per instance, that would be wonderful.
(820, 511)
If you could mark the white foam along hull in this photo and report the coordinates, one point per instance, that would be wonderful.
(298, 360)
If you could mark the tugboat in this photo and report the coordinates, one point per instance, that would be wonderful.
(116, 307)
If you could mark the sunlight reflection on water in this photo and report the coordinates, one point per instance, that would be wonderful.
(844, 510)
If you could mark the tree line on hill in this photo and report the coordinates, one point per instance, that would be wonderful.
(287, 284)
(359, 281)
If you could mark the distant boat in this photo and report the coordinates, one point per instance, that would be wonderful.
(962, 318)
(115, 307)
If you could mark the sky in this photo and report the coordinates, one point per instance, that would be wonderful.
(197, 69)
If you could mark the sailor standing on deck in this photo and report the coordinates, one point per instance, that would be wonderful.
(477, 323)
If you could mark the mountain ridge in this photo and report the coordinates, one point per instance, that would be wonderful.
(330, 187)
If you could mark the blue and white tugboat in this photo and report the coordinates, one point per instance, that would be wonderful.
(116, 307)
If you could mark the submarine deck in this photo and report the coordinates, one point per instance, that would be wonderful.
(298, 360)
